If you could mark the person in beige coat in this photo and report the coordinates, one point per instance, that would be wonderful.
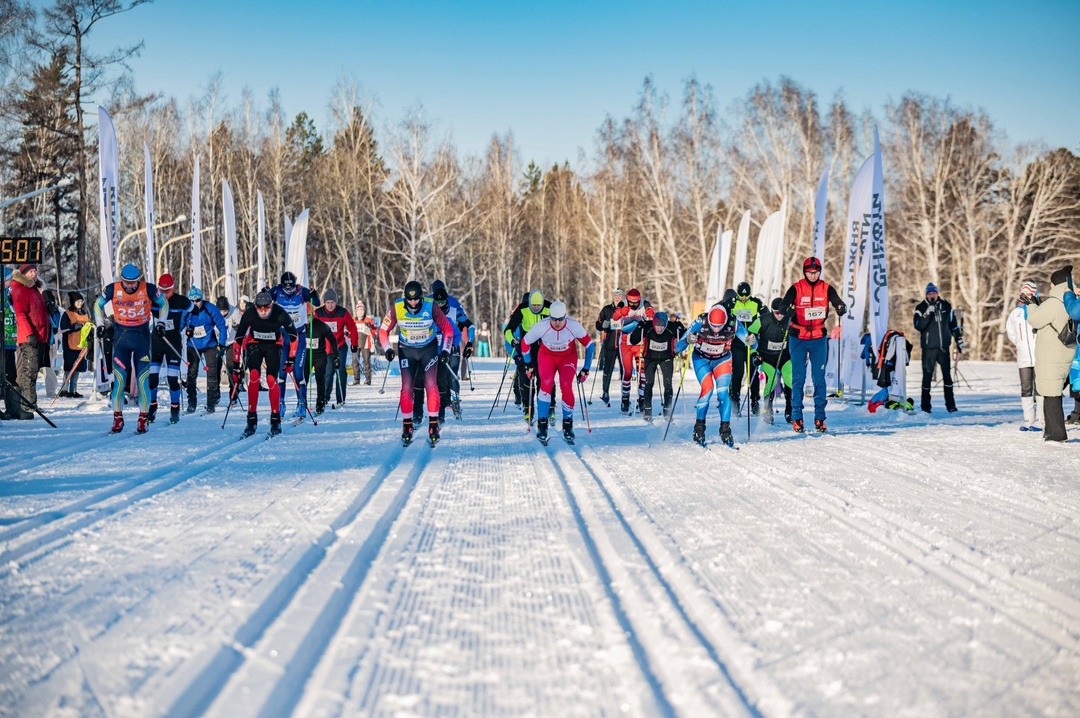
(1052, 358)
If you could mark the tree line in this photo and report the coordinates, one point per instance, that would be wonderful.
(392, 201)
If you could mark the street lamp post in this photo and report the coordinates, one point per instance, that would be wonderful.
(161, 249)
(62, 183)
(129, 235)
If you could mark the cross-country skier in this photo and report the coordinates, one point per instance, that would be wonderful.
(449, 371)
(624, 321)
(266, 334)
(806, 303)
(773, 357)
(232, 321)
(418, 323)
(326, 358)
(134, 304)
(527, 314)
(206, 333)
(746, 311)
(341, 323)
(658, 344)
(297, 300)
(609, 350)
(711, 335)
(166, 348)
(557, 354)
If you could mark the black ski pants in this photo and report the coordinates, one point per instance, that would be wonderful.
(666, 367)
(609, 359)
(738, 369)
(930, 359)
(213, 375)
(322, 367)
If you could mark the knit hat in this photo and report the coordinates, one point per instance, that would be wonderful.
(72, 298)
(27, 267)
(1031, 288)
(930, 288)
(618, 293)
(166, 282)
(194, 294)
(1061, 276)
(329, 296)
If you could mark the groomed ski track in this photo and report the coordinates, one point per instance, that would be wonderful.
(907, 565)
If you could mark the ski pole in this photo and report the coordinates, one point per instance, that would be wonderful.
(385, 377)
(749, 382)
(585, 410)
(599, 368)
(232, 398)
(68, 377)
(671, 414)
(496, 402)
(297, 386)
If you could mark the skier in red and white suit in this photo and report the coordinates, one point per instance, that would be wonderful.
(623, 322)
(557, 355)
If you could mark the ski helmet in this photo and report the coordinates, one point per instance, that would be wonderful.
(195, 294)
(414, 291)
(263, 299)
(743, 290)
(557, 311)
(812, 264)
(130, 273)
(166, 283)
(536, 299)
(718, 317)
(660, 321)
(633, 298)
(288, 281)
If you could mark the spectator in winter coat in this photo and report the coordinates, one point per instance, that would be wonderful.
(936, 322)
(71, 323)
(47, 351)
(1022, 336)
(366, 330)
(32, 323)
(1052, 357)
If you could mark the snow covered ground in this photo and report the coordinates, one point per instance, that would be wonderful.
(907, 565)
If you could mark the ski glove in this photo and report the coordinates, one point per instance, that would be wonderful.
(691, 339)
(100, 331)
(519, 362)
(607, 323)
(582, 376)
(337, 361)
(159, 329)
(289, 365)
(841, 310)
(751, 341)
(515, 342)
(529, 373)
(354, 349)
(389, 354)
(237, 375)
(444, 357)
(190, 331)
(467, 351)
(960, 345)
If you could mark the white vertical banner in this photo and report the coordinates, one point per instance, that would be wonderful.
(150, 248)
(769, 258)
(820, 208)
(288, 239)
(229, 218)
(109, 174)
(261, 278)
(725, 258)
(762, 256)
(879, 275)
(776, 279)
(714, 289)
(741, 246)
(196, 241)
(296, 260)
(855, 269)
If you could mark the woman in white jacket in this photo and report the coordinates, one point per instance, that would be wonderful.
(1023, 338)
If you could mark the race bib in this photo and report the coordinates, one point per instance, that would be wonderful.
(199, 332)
(332, 325)
(364, 329)
(744, 315)
(775, 346)
(296, 314)
(815, 312)
(167, 323)
(658, 346)
(616, 325)
(413, 336)
(265, 336)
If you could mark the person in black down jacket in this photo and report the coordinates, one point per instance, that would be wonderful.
(936, 322)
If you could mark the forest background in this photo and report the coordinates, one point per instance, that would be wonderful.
(392, 198)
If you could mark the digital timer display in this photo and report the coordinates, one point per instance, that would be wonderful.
(20, 250)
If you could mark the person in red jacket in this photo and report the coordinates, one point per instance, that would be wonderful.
(624, 321)
(341, 323)
(32, 323)
(365, 325)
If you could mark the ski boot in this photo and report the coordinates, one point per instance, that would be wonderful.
(725, 434)
(646, 413)
(174, 413)
(767, 413)
(252, 422)
(736, 405)
(797, 426)
(755, 407)
(640, 405)
(568, 430)
(117, 422)
(455, 406)
(551, 412)
(606, 399)
(152, 414)
(319, 408)
(699, 432)
(433, 430)
(667, 410)
(406, 431)
(625, 407)
(191, 406)
(210, 408)
(141, 427)
(542, 430)
(275, 424)
(819, 426)
(787, 404)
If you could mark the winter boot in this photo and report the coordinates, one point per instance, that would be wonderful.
(275, 424)
(433, 430)
(755, 407)
(625, 407)
(141, 427)
(797, 426)
(542, 430)
(152, 414)
(725, 433)
(210, 408)
(568, 430)
(320, 407)
(767, 412)
(606, 399)
(699, 432)
(117, 422)
(787, 404)
(819, 426)
(406, 431)
(646, 413)
(191, 407)
(174, 413)
(252, 422)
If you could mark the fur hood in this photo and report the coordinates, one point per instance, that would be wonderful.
(24, 280)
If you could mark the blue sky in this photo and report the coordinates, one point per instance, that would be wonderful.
(552, 71)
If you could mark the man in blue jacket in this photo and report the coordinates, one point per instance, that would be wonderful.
(206, 333)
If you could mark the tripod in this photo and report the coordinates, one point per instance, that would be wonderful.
(6, 387)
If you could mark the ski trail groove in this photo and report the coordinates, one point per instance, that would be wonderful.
(212, 679)
(159, 481)
(915, 546)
